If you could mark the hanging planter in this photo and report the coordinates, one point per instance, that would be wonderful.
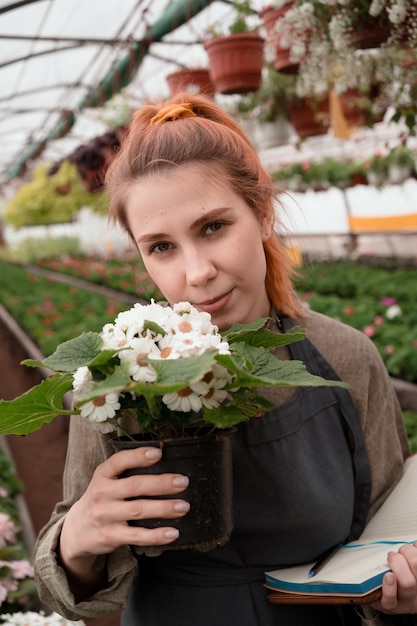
(236, 62)
(192, 80)
(310, 117)
(370, 34)
(270, 16)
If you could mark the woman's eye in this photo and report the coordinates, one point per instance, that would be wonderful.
(213, 227)
(161, 247)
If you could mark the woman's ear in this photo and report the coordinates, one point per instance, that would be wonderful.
(267, 226)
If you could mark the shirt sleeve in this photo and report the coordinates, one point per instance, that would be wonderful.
(86, 450)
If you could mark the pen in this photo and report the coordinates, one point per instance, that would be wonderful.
(321, 561)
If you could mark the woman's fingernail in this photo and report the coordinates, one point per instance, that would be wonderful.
(171, 533)
(389, 579)
(181, 507)
(180, 481)
(153, 454)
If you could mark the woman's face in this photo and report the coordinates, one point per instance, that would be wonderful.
(201, 243)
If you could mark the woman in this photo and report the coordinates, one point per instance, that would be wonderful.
(190, 191)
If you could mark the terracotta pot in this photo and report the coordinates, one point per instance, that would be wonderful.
(270, 15)
(371, 36)
(359, 108)
(309, 118)
(207, 460)
(236, 62)
(192, 80)
(350, 101)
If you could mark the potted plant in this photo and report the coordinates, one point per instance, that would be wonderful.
(322, 40)
(267, 109)
(400, 164)
(272, 14)
(377, 168)
(165, 376)
(236, 59)
(51, 196)
(192, 79)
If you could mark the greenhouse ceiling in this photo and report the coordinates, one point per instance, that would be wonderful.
(61, 60)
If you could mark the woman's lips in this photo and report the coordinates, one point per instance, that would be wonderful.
(215, 305)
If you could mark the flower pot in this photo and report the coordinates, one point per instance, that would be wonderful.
(235, 62)
(192, 80)
(270, 134)
(370, 36)
(397, 174)
(207, 461)
(309, 118)
(270, 15)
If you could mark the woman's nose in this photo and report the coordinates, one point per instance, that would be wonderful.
(198, 269)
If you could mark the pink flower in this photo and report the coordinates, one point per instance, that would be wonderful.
(369, 331)
(378, 320)
(3, 594)
(388, 301)
(348, 310)
(6, 530)
(389, 349)
(21, 569)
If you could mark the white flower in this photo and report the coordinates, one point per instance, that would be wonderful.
(393, 311)
(207, 392)
(185, 400)
(101, 409)
(31, 618)
(113, 337)
(376, 8)
(140, 348)
(82, 381)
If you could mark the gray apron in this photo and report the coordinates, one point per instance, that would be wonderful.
(301, 485)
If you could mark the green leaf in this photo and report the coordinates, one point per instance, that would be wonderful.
(182, 371)
(263, 369)
(256, 335)
(118, 381)
(75, 353)
(38, 406)
(154, 327)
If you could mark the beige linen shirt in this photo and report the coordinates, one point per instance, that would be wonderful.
(356, 361)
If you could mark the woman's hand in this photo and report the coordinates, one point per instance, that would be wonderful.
(97, 523)
(399, 587)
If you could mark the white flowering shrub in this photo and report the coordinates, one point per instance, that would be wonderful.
(166, 368)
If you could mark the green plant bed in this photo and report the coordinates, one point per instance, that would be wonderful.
(378, 301)
(410, 419)
(51, 312)
(123, 274)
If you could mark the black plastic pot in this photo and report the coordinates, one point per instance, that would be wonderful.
(207, 461)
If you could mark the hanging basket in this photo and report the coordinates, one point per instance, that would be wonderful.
(192, 80)
(310, 118)
(370, 36)
(270, 15)
(236, 62)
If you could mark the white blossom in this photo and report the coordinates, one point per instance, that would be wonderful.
(31, 618)
(140, 348)
(82, 381)
(393, 311)
(101, 408)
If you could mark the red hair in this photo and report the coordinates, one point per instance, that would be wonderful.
(202, 133)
